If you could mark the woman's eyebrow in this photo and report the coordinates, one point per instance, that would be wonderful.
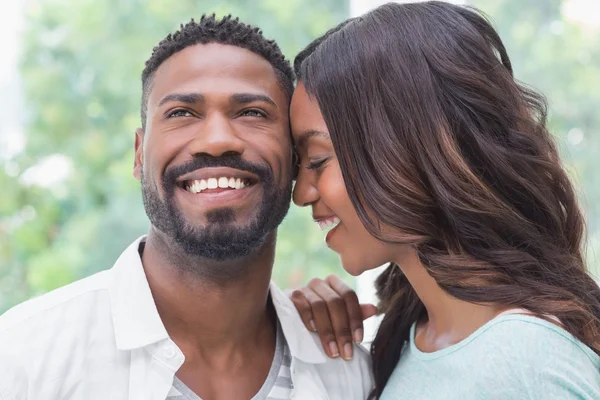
(304, 136)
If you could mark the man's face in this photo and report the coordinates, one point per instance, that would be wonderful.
(215, 158)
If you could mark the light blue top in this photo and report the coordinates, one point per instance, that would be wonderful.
(510, 357)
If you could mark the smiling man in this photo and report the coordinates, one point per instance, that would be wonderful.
(188, 311)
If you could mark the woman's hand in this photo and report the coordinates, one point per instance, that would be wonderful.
(330, 308)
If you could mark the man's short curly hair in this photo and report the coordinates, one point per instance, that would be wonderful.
(209, 29)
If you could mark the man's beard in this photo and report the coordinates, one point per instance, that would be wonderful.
(221, 238)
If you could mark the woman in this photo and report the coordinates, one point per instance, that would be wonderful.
(418, 148)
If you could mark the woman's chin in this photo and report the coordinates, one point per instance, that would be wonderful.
(352, 267)
(356, 266)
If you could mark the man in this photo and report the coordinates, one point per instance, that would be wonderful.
(188, 311)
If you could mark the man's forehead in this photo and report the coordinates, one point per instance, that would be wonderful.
(215, 67)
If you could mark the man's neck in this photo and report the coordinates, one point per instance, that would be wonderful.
(212, 318)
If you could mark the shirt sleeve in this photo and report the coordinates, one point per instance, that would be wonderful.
(366, 366)
(347, 380)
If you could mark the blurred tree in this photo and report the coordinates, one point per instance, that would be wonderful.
(81, 71)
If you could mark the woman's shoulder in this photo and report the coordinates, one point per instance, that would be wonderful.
(530, 336)
(545, 357)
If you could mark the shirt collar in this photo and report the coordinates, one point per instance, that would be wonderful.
(303, 344)
(135, 317)
(137, 323)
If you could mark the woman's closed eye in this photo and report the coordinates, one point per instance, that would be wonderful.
(315, 164)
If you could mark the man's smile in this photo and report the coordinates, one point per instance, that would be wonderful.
(209, 188)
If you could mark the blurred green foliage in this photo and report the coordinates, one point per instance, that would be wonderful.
(81, 69)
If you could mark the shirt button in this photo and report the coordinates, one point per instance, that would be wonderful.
(169, 351)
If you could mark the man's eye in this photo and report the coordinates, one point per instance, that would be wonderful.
(179, 113)
(252, 113)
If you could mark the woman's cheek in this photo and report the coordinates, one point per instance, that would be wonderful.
(338, 199)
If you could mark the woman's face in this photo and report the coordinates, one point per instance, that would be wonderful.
(321, 186)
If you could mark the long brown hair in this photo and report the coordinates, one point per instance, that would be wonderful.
(437, 140)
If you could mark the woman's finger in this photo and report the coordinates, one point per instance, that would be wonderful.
(304, 309)
(322, 319)
(353, 308)
(341, 337)
(368, 311)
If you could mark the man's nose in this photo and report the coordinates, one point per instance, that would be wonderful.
(217, 137)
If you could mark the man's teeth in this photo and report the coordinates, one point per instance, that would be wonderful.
(328, 223)
(198, 186)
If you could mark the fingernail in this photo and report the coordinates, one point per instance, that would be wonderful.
(312, 325)
(333, 349)
(358, 335)
(348, 351)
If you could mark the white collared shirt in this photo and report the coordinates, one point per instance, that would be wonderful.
(102, 338)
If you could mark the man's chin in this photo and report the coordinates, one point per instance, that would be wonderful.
(220, 242)
(213, 221)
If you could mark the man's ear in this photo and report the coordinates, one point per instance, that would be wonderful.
(139, 154)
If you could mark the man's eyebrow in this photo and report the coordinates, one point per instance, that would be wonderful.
(245, 98)
(304, 136)
(189, 98)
